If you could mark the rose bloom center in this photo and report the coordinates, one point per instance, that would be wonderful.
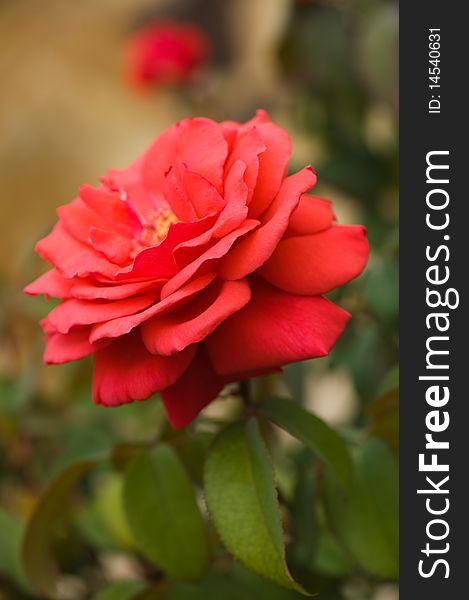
(157, 229)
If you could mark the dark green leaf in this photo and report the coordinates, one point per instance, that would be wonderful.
(384, 413)
(242, 500)
(109, 507)
(120, 590)
(294, 376)
(11, 531)
(163, 514)
(159, 591)
(330, 558)
(192, 450)
(38, 561)
(313, 432)
(390, 381)
(305, 527)
(381, 289)
(366, 519)
(91, 529)
(235, 584)
(80, 445)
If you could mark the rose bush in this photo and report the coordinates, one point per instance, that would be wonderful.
(164, 53)
(200, 264)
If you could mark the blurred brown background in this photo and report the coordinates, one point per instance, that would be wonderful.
(65, 114)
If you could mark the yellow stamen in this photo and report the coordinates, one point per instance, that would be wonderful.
(155, 232)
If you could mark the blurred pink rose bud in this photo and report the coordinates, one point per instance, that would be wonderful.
(164, 53)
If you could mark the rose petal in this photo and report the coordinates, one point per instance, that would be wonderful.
(70, 313)
(251, 252)
(125, 371)
(111, 207)
(176, 195)
(50, 283)
(53, 284)
(79, 219)
(316, 264)
(72, 257)
(190, 196)
(312, 214)
(62, 348)
(236, 197)
(89, 289)
(130, 185)
(261, 116)
(206, 261)
(272, 162)
(157, 261)
(175, 331)
(196, 388)
(247, 147)
(122, 325)
(272, 166)
(114, 246)
(231, 216)
(273, 329)
(198, 143)
(47, 326)
(230, 130)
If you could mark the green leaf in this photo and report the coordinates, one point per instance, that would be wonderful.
(384, 413)
(366, 519)
(234, 584)
(390, 381)
(304, 522)
(11, 531)
(80, 445)
(121, 590)
(159, 591)
(38, 561)
(330, 559)
(242, 500)
(163, 514)
(91, 529)
(313, 432)
(109, 507)
(381, 289)
(192, 450)
(294, 377)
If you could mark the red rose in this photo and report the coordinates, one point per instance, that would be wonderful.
(164, 53)
(200, 264)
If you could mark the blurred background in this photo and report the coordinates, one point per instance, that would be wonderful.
(87, 85)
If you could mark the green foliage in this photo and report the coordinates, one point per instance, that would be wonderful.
(294, 377)
(304, 522)
(330, 558)
(80, 445)
(11, 532)
(121, 590)
(384, 413)
(366, 519)
(313, 432)
(242, 500)
(234, 584)
(109, 508)
(38, 559)
(162, 511)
